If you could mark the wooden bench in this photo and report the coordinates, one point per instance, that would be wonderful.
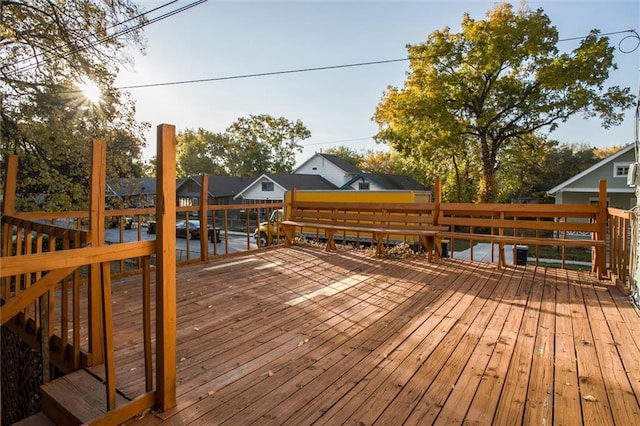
(393, 222)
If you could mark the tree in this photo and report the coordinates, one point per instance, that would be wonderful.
(201, 152)
(348, 154)
(48, 50)
(486, 89)
(261, 143)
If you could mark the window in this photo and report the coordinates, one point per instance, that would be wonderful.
(621, 169)
(267, 186)
(188, 201)
(363, 186)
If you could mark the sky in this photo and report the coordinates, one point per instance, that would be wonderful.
(220, 39)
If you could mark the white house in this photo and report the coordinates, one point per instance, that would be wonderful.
(334, 169)
(270, 187)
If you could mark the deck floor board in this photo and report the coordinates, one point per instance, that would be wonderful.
(300, 336)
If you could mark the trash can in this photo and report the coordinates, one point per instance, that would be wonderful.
(444, 244)
(521, 255)
(152, 227)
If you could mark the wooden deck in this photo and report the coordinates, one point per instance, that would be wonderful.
(300, 336)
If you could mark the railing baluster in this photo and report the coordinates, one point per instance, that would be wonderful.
(107, 326)
(146, 312)
(64, 305)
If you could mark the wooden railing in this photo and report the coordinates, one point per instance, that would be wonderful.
(563, 227)
(56, 283)
(29, 295)
(622, 247)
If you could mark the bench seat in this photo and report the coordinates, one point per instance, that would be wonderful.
(427, 234)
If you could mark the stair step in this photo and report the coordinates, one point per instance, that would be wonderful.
(39, 419)
(76, 398)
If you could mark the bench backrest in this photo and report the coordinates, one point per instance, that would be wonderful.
(396, 215)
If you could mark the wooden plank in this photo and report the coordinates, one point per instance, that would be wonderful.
(10, 183)
(454, 410)
(337, 326)
(486, 399)
(348, 375)
(540, 392)
(166, 268)
(422, 324)
(567, 405)
(14, 305)
(146, 323)
(74, 257)
(623, 403)
(595, 406)
(107, 326)
(341, 372)
(204, 217)
(449, 371)
(96, 239)
(514, 393)
(75, 398)
(126, 412)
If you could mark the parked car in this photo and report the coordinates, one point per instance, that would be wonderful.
(194, 230)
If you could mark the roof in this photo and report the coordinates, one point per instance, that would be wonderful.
(596, 166)
(387, 181)
(225, 186)
(287, 181)
(337, 161)
(300, 181)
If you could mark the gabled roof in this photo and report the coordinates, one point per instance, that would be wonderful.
(337, 161)
(596, 166)
(224, 186)
(130, 186)
(387, 181)
(300, 181)
(287, 181)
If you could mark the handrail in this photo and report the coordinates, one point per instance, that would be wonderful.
(566, 225)
(622, 246)
(14, 265)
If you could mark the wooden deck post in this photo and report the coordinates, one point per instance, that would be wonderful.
(437, 200)
(8, 207)
(601, 251)
(166, 268)
(10, 182)
(96, 239)
(204, 218)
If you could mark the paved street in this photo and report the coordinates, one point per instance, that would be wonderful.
(236, 242)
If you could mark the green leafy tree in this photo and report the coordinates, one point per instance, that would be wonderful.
(348, 154)
(565, 161)
(48, 50)
(201, 152)
(484, 90)
(261, 143)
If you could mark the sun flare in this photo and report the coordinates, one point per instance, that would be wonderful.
(91, 91)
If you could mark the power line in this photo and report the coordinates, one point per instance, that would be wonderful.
(329, 67)
(263, 74)
(340, 141)
(109, 37)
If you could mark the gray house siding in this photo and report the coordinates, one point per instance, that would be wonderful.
(583, 188)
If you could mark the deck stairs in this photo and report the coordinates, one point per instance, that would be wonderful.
(73, 399)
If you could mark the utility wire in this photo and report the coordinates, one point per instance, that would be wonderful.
(109, 37)
(263, 74)
(332, 67)
(340, 141)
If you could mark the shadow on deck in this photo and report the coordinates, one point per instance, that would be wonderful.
(300, 336)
